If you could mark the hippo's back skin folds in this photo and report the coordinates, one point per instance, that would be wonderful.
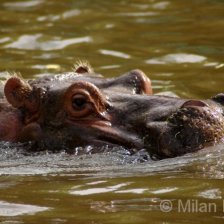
(82, 108)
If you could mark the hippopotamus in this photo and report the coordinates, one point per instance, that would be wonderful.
(81, 108)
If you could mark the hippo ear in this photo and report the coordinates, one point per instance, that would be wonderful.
(20, 94)
(194, 103)
(135, 82)
(82, 67)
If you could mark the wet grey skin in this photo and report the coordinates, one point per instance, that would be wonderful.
(82, 108)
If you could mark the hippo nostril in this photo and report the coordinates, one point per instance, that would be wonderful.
(219, 98)
(194, 103)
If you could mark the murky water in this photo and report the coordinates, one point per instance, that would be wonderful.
(179, 44)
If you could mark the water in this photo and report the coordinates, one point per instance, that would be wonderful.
(179, 45)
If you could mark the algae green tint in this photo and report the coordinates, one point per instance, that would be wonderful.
(179, 44)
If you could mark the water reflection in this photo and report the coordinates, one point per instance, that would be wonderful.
(33, 42)
(178, 43)
(14, 160)
(137, 14)
(12, 209)
(211, 194)
(145, 204)
(98, 190)
(114, 53)
(63, 16)
(22, 4)
(178, 58)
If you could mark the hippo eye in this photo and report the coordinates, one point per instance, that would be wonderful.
(83, 100)
(79, 102)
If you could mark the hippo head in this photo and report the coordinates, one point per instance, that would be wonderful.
(77, 108)
(82, 108)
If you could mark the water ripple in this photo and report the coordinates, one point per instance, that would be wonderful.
(98, 190)
(32, 42)
(22, 4)
(177, 58)
(161, 5)
(211, 194)
(12, 209)
(115, 53)
(137, 14)
(63, 16)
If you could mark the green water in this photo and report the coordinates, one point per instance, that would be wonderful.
(179, 44)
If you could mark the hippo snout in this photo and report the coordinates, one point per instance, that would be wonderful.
(194, 125)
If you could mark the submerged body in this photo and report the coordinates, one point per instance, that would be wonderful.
(81, 108)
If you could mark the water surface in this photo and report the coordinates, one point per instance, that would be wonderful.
(179, 45)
